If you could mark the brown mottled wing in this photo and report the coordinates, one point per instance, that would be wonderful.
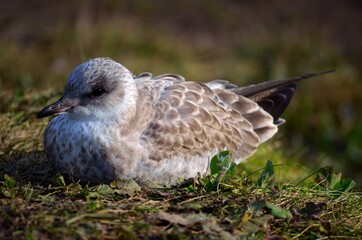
(191, 119)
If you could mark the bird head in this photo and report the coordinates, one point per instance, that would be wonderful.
(95, 89)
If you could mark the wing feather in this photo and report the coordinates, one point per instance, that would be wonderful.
(191, 119)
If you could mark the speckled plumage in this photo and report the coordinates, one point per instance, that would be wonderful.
(111, 124)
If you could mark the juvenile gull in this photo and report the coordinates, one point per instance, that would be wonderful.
(110, 124)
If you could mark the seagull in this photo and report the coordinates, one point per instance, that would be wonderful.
(110, 124)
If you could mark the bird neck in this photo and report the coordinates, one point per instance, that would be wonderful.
(127, 110)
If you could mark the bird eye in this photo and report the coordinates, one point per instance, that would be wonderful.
(98, 92)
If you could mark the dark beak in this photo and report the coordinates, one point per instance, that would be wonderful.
(58, 107)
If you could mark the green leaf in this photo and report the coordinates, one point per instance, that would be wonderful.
(191, 188)
(267, 176)
(220, 161)
(211, 186)
(221, 165)
(214, 165)
(231, 171)
(278, 211)
(9, 182)
(333, 179)
(345, 185)
(59, 181)
(226, 160)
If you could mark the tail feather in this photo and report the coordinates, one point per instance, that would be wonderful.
(274, 96)
(255, 89)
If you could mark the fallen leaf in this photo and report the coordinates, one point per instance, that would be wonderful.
(125, 187)
(172, 218)
(278, 211)
(312, 210)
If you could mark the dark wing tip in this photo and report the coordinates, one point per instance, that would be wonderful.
(274, 96)
(277, 100)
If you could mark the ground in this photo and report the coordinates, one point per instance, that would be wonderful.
(295, 195)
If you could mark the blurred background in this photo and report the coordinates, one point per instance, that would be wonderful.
(241, 41)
